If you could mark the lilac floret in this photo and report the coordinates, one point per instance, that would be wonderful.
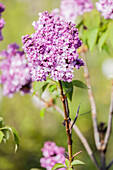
(52, 49)
(2, 22)
(2, 8)
(106, 8)
(15, 70)
(52, 155)
(71, 9)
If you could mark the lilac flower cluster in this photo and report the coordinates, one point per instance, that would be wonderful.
(52, 49)
(106, 8)
(15, 70)
(2, 22)
(52, 155)
(71, 9)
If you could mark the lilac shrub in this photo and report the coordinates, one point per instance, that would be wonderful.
(71, 9)
(15, 70)
(52, 155)
(2, 22)
(52, 49)
(106, 8)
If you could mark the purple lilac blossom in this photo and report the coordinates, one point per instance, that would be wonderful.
(52, 49)
(15, 70)
(52, 155)
(2, 22)
(106, 8)
(71, 9)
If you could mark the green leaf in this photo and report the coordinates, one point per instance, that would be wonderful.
(110, 31)
(52, 88)
(58, 165)
(67, 162)
(16, 138)
(1, 122)
(106, 48)
(80, 84)
(70, 169)
(6, 134)
(42, 89)
(77, 162)
(68, 88)
(84, 36)
(1, 136)
(37, 85)
(92, 37)
(91, 19)
(15, 135)
(79, 21)
(42, 113)
(102, 40)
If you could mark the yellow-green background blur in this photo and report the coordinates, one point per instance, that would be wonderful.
(21, 113)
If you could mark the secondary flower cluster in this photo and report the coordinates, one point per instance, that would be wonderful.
(15, 71)
(52, 49)
(52, 155)
(71, 9)
(106, 8)
(2, 22)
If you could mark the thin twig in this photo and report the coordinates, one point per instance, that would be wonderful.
(110, 164)
(109, 126)
(92, 102)
(77, 154)
(77, 114)
(77, 131)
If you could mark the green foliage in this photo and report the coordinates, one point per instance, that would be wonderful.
(16, 137)
(1, 136)
(92, 19)
(77, 162)
(67, 162)
(110, 31)
(92, 37)
(58, 165)
(102, 39)
(52, 88)
(79, 84)
(90, 34)
(4, 133)
(42, 113)
(68, 88)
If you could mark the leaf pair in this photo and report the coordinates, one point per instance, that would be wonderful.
(74, 163)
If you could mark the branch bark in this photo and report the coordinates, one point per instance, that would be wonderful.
(67, 122)
(92, 102)
(109, 126)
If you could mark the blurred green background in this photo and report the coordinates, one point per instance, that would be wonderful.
(21, 113)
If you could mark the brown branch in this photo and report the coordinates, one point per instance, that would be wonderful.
(92, 102)
(102, 160)
(77, 131)
(67, 123)
(77, 154)
(109, 126)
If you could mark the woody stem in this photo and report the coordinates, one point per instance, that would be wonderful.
(67, 122)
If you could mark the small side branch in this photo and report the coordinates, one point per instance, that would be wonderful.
(77, 131)
(108, 132)
(92, 102)
(110, 164)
